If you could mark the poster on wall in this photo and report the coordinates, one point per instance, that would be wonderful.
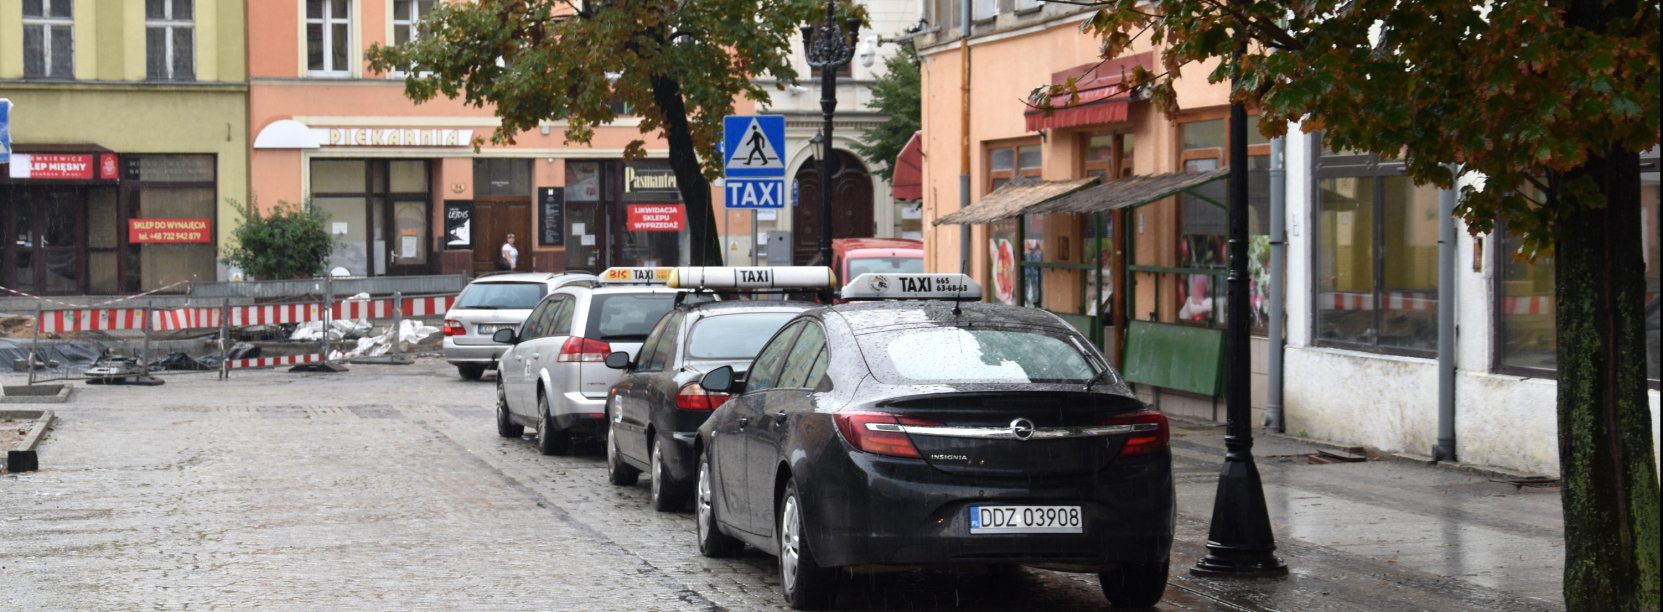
(656, 218)
(170, 231)
(583, 181)
(551, 214)
(458, 224)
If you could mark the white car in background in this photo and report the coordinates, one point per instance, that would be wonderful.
(490, 303)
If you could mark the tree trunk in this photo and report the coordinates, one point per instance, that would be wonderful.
(695, 189)
(1610, 487)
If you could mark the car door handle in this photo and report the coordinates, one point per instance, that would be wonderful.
(743, 421)
(779, 417)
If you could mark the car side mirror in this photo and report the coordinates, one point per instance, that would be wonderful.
(721, 380)
(505, 336)
(618, 360)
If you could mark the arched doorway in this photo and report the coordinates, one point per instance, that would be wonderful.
(851, 210)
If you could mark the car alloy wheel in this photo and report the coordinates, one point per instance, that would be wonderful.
(550, 441)
(806, 584)
(506, 427)
(712, 542)
(666, 496)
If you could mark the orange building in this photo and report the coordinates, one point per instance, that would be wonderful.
(404, 189)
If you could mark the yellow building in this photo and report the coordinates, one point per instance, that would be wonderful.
(124, 114)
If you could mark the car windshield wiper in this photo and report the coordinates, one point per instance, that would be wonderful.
(1096, 378)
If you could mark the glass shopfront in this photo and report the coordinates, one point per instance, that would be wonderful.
(379, 211)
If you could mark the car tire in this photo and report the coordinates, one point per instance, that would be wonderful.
(470, 372)
(807, 586)
(506, 427)
(712, 542)
(1134, 585)
(667, 495)
(550, 440)
(617, 472)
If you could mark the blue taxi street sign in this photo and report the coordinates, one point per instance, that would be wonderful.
(755, 193)
(5, 131)
(753, 146)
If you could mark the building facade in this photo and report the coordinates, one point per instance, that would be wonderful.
(129, 134)
(1111, 215)
(404, 189)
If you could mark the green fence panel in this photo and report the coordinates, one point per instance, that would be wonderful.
(1177, 357)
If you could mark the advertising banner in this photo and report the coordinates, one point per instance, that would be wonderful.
(656, 218)
(169, 231)
(51, 166)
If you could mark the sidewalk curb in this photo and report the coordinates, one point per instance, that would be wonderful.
(23, 458)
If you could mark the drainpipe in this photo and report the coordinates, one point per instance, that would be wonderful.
(1278, 279)
(1445, 449)
(964, 133)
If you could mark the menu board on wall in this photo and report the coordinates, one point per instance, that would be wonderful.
(458, 224)
(551, 207)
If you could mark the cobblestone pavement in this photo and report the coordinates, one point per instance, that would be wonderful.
(387, 488)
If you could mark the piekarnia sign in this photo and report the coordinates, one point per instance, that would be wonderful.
(169, 231)
(656, 218)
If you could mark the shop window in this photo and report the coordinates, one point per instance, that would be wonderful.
(1099, 160)
(1008, 162)
(169, 40)
(338, 176)
(407, 176)
(1525, 339)
(168, 187)
(1203, 223)
(328, 37)
(1376, 258)
(48, 39)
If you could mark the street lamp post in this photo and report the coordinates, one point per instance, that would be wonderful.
(828, 50)
(1240, 542)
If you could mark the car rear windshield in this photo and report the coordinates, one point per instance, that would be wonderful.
(952, 354)
(734, 336)
(885, 265)
(626, 316)
(501, 296)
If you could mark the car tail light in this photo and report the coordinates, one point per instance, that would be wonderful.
(693, 396)
(583, 350)
(879, 433)
(454, 327)
(1148, 441)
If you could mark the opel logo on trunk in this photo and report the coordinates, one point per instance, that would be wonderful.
(1022, 429)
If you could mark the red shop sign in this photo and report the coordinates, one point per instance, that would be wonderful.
(656, 218)
(108, 167)
(51, 166)
(169, 231)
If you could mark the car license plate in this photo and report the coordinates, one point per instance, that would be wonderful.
(491, 329)
(1025, 519)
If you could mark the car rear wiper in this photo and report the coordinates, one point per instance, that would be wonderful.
(1096, 378)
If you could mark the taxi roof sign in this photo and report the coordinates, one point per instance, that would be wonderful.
(872, 286)
(752, 277)
(636, 276)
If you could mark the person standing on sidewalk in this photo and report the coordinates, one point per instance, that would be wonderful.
(510, 257)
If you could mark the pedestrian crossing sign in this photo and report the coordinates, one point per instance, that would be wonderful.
(753, 146)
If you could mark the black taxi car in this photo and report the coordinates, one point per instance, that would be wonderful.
(935, 433)
(656, 407)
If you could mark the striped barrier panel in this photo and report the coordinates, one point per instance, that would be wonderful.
(100, 319)
(186, 318)
(383, 308)
(1528, 305)
(1394, 300)
(272, 362)
(244, 316)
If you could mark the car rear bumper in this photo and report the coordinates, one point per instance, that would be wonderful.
(480, 355)
(886, 511)
(575, 411)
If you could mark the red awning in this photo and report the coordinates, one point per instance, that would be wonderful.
(1099, 99)
(908, 181)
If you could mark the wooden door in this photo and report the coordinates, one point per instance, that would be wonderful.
(851, 206)
(495, 217)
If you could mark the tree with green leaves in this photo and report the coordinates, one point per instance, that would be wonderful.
(898, 94)
(1548, 97)
(288, 241)
(677, 65)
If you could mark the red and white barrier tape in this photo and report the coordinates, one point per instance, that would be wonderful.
(93, 305)
(272, 362)
(109, 319)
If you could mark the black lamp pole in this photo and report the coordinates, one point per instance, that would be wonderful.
(828, 51)
(1240, 542)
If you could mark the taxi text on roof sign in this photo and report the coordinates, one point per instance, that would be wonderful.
(755, 277)
(872, 286)
(636, 275)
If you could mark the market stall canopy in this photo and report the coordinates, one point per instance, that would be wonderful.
(1131, 191)
(1015, 198)
(908, 180)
